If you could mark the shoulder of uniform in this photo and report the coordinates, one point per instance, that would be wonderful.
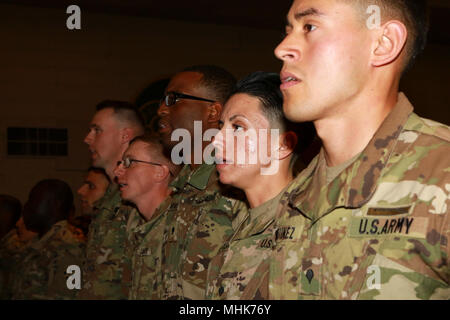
(229, 204)
(428, 127)
(70, 234)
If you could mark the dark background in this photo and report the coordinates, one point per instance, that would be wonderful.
(53, 77)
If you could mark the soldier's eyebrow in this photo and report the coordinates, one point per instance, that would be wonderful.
(298, 16)
(237, 115)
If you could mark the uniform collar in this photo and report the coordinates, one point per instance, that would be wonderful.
(357, 183)
(198, 178)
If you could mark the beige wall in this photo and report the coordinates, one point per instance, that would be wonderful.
(53, 77)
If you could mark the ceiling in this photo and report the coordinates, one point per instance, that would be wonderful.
(250, 13)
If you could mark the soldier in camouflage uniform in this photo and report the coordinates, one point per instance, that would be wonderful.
(379, 229)
(102, 269)
(368, 219)
(143, 177)
(198, 224)
(255, 105)
(42, 270)
(94, 187)
(114, 125)
(11, 247)
(44, 263)
(198, 219)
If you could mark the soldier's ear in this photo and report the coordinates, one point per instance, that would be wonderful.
(390, 40)
(287, 143)
(126, 135)
(162, 173)
(214, 111)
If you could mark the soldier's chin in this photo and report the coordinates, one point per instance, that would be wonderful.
(224, 177)
(125, 196)
(96, 162)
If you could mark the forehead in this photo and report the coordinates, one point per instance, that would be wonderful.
(138, 149)
(247, 106)
(104, 117)
(320, 8)
(184, 82)
(95, 176)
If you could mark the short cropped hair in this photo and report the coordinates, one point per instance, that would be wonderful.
(216, 79)
(157, 151)
(125, 112)
(412, 13)
(265, 87)
(99, 171)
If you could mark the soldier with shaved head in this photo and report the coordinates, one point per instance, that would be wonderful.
(111, 129)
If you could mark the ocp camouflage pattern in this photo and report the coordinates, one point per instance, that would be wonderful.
(143, 249)
(11, 249)
(198, 224)
(42, 271)
(103, 267)
(379, 230)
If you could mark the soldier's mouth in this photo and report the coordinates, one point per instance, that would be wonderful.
(122, 186)
(163, 126)
(219, 160)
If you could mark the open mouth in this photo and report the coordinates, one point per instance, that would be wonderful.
(93, 153)
(221, 163)
(288, 80)
(122, 185)
(163, 126)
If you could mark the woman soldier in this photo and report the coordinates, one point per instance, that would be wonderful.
(254, 152)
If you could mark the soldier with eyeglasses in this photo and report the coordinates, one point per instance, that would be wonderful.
(198, 215)
(143, 177)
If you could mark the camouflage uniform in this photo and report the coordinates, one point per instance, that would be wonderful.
(143, 249)
(10, 250)
(198, 223)
(102, 270)
(41, 273)
(237, 263)
(379, 230)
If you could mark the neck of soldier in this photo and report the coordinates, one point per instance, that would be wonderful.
(197, 156)
(109, 168)
(268, 186)
(347, 132)
(148, 203)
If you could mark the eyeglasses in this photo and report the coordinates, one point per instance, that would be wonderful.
(172, 97)
(128, 161)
